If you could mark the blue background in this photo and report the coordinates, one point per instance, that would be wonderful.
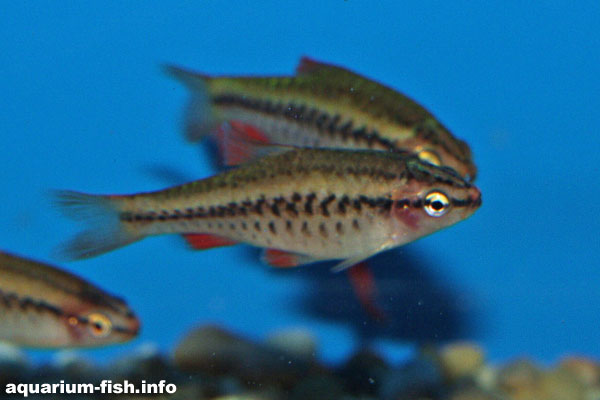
(84, 106)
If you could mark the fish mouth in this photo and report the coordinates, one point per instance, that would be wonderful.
(471, 201)
(131, 330)
(474, 198)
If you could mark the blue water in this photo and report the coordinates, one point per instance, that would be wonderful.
(84, 106)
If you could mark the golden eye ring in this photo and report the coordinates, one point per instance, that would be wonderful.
(429, 156)
(436, 204)
(99, 324)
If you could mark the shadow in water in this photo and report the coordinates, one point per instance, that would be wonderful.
(418, 306)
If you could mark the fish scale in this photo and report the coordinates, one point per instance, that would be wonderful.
(320, 203)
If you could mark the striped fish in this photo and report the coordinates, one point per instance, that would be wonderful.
(321, 106)
(302, 205)
(43, 306)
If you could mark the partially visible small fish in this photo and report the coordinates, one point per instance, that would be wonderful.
(322, 106)
(302, 205)
(43, 306)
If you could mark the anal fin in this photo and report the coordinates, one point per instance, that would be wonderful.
(203, 241)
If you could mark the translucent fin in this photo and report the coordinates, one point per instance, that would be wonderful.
(349, 262)
(105, 231)
(284, 259)
(199, 119)
(239, 143)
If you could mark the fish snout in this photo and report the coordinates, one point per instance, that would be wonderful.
(474, 197)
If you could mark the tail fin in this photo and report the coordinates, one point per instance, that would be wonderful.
(105, 232)
(199, 119)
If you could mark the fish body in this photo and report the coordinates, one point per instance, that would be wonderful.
(322, 106)
(43, 306)
(303, 204)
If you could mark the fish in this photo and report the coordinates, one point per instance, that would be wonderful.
(301, 205)
(42, 306)
(323, 105)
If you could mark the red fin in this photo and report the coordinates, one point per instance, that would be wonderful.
(202, 241)
(284, 259)
(280, 258)
(308, 66)
(238, 142)
(363, 283)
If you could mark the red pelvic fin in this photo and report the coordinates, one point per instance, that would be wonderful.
(203, 241)
(365, 289)
(239, 142)
(283, 259)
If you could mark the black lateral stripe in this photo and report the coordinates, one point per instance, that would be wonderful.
(24, 303)
(325, 204)
(383, 204)
(321, 120)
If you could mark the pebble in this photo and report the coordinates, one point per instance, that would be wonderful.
(586, 370)
(14, 365)
(519, 377)
(299, 342)
(213, 363)
(71, 363)
(415, 379)
(460, 360)
(214, 351)
(146, 362)
(362, 373)
(318, 387)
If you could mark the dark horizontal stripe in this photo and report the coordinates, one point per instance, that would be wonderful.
(11, 300)
(283, 207)
(24, 303)
(303, 115)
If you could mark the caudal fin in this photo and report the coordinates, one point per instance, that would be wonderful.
(199, 119)
(105, 231)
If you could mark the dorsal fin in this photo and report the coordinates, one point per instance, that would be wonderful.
(309, 66)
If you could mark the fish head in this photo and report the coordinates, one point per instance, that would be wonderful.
(97, 323)
(433, 143)
(430, 199)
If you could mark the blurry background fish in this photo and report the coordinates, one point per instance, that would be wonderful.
(85, 105)
(321, 105)
(44, 306)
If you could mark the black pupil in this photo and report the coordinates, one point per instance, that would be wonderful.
(437, 205)
(98, 326)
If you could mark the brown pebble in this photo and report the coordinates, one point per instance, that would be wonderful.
(584, 369)
(460, 360)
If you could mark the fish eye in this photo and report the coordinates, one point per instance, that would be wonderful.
(436, 204)
(99, 324)
(429, 156)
